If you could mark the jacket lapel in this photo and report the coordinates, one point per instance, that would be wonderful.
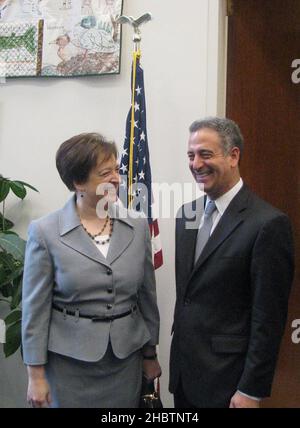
(123, 232)
(187, 236)
(73, 235)
(121, 238)
(78, 240)
(230, 221)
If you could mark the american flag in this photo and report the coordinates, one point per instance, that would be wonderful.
(135, 167)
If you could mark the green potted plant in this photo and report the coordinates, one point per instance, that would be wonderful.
(12, 250)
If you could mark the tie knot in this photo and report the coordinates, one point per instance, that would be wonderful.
(210, 208)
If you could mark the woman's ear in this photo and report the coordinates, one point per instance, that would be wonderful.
(78, 187)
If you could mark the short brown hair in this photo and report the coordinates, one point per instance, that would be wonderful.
(77, 156)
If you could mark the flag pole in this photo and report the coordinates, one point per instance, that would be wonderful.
(138, 93)
(137, 38)
(135, 159)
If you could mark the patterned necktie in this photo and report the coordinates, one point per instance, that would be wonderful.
(204, 231)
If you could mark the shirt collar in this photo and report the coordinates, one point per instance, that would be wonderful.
(223, 201)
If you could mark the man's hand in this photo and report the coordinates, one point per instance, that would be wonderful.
(239, 401)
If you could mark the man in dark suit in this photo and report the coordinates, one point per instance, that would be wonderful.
(234, 269)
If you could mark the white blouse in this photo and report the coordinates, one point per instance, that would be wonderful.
(103, 247)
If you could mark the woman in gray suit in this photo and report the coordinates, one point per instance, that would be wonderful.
(90, 318)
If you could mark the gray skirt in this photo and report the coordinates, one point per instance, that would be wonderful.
(107, 383)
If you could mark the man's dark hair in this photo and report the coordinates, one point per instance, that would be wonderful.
(77, 156)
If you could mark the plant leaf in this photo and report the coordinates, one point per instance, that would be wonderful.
(8, 277)
(7, 224)
(27, 185)
(10, 232)
(13, 317)
(6, 260)
(3, 276)
(6, 290)
(17, 292)
(6, 268)
(13, 339)
(18, 189)
(10, 268)
(13, 244)
(4, 189)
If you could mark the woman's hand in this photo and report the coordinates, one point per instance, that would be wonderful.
(151, 369)
(38, 393)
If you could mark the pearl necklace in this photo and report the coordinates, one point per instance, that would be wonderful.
(97, 241)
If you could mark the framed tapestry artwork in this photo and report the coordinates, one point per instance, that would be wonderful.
(42, 38)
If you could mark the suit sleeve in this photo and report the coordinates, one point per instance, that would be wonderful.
(147, 300)
(272, 269)
(37, 298)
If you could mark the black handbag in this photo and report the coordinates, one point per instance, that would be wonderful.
(150, 395)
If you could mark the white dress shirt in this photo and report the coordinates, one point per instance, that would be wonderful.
(222, 204)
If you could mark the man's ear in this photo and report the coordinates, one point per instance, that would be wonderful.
(235, 155)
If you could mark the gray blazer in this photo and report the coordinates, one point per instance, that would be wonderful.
(64, 267)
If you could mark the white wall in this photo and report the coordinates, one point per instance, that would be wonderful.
(182, 57)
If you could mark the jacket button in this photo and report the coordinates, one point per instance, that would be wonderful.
(109, 306)
(187, 302)
(109, 290)
(108, 272)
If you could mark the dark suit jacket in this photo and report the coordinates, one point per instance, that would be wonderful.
(231, 307)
